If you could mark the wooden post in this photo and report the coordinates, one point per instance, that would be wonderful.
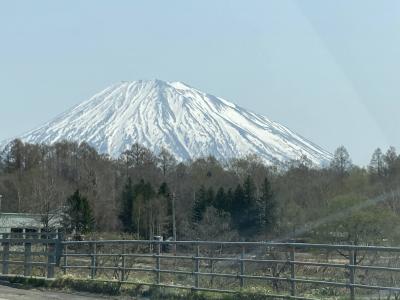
(93, 262)
(6, 253)
(197, 267)
(28, 260)
(123, 263)
(242, 267)
(158, 263)
(351, 275)
(292, 272)
(50, 260)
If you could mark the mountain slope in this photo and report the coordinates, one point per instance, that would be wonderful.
(173, 115)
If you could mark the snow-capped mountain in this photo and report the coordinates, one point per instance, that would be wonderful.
(184, 120)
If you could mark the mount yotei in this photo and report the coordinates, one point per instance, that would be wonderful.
(172, 115)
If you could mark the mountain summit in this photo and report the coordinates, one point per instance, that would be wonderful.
(184, 120)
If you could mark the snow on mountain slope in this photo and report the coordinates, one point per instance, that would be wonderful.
(187, 122)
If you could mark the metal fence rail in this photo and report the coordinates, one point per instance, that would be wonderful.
(17, 250)
(287, 269)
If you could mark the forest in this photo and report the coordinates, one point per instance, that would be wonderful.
(145, 194)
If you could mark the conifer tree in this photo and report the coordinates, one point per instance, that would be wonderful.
(249, 189)
(228, 201)
(246, 210)
(238, 205)
(238, 200)
(126, 214)
(165, 193)
(269, 206)
(210, 197)
(164, 190)
(78, 216)
(220, 201)
(200, 205)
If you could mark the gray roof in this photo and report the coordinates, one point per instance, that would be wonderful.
(21, 220)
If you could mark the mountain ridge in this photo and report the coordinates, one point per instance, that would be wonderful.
(186, 121)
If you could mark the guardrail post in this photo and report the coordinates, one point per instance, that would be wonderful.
(65, 259)
(242, 267)
(93, 261)
(212, 272)
(59, 248)
(197, 267)
(51, 247)
(158, 275)
(292, 272)
(123, 263)
(28, 259)
(351, 277)
(6, 253)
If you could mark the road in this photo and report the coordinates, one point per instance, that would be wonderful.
(11, 293)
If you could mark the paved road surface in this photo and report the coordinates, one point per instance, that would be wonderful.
(10, 293)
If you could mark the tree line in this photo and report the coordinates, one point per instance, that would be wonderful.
(146, 194)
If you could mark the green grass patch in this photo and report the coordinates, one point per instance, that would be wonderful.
(68, 283)
(116, 288)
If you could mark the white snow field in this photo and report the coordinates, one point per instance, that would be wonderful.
(184, 120)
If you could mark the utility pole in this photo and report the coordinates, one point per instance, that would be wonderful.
(173, 222)
(1, 197)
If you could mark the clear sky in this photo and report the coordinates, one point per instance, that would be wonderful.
(326, 69)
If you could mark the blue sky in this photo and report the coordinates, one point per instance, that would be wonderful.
(326, 69)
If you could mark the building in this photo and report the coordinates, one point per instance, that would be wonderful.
(23, 223)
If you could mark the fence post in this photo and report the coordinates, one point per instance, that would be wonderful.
(123, 263)
(65, 259)
(158, 275)
(28, 259)
(242, 267)
(292, 272)
(212, 272)
(351, 270)
(197, 267)
(6, 253)
(93, 261)
(50, 259)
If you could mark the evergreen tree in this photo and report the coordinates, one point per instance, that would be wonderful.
(210, 197)
(246, 210)
(270, 206)
(220, 201)
(237, 201)
(200, 205)
(164, 190)
(238, 206)
(126, 214)
(14, 156)
(249, 190)
(78, 216)
(165, 193)
(146, 189)
(229, 200)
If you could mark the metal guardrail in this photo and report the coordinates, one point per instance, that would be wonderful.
(87, 256)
